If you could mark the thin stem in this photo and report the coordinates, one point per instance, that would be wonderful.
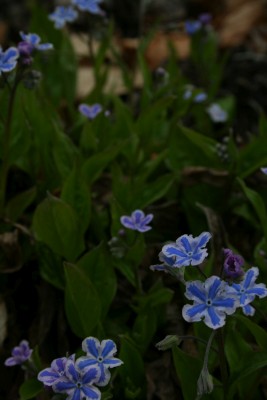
(6, 145)
(223, 364)
(197, 339)
(206, 358)
(201, 272)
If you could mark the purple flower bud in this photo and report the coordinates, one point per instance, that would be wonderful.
(232, 264)
(25, 49)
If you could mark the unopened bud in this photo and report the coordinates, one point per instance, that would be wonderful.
(168, 342)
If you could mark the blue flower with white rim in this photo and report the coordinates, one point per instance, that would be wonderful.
(76, 384)
(167, 262)
(62, 14)
(100, 356)
(137, 221)
(217, 113)
(8, 59)
(90, 111)
(34, 42)
(188, 250)
(19, 354)
(91, 6)
(49, 376)
(246, 291)
(211, 302)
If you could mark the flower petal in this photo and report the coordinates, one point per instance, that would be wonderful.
(127, 222)
(195, 291)
(108, 348)
(193, 313)
(91, 346)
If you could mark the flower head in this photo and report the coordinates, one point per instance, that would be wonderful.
(20, 354)
(211, 302)
(99, 356)
(49, 376)
(90, 111)
(62, 14)
(191, 27)
(216, 113)
(137, 221)
(232, 264)
(247, 290)
(33, 40)
(76, 384)
(188, 250)
(8, 59)
(91, 6)
(167, 262)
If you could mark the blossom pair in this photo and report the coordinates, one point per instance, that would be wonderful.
(79, 378)
(215, 298)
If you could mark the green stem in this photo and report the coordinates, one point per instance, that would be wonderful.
(223, 363)
(6, 146)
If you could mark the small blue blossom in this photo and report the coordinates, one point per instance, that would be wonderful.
(90, 111)
(247, 290)
(62, 14)
(200, 97)
(20, 354)
(49, 376)
(34, 40)
(91, 6)
(216, 113)
(211, 302)
(232, 264)
(8, 59)
(137, 221)
(264, 170)
(191, 27)
(188, 250)
(167, 262)
(99, 356)
(76, 384)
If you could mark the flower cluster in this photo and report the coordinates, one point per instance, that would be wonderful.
(79, 379)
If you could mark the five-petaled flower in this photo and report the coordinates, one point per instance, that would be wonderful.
(76, 384)
(211, 302)
(34, 41)
(91, 6)
(188, 250)
(216, 113)
(232, 264)
(8, 59)
(20, 354)
(49, 376)
(247, 290)
(99, 356)
(90, 111)
(62, 14)
(137, 221)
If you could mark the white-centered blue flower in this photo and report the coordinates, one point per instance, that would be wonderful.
(78, 385)
(62, 14)
(188, 250)
(100, 356)
(49, 376)
(34, 41)
(8, 59)
(92, 6)
(247, 290)
(211, 302)
(137, 221)
(217, 113)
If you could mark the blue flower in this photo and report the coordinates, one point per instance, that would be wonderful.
(88, 5)
(216, 113)
(247, 290)
(137, 221)
(188, 250)
(264, 170)
(90, 111)
(211, 302)
(167, 262)
(232, 264)
(192, 27)
(8, 59)
(76, 384)
(20, 354)
(49, 376)
(34, 42)
(99, 356)
(62, 14)
(200, 97)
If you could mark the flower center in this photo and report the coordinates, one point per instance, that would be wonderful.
(79, 385)
(190, 253)
(100, 359)
(242, 290)
(208, 302)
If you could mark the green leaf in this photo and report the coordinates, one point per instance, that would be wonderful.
(30, 388)
(151, 192)
(50, 265)
(82, 303)
(205, 144)
(64, 153)
(18, 204)
(257, 203)
(97, 266)
(75, 192)
(56, 224)
(257, 331)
